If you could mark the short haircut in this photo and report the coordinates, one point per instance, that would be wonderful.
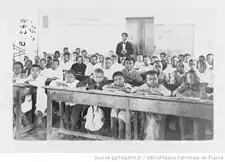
(157, 62)
(180, 55)
(36, 65)
(202, 56)
(71, 72)
(77, 48)
(98, 70)
(57, 52)
(130, 59)
(155, 56)
(56, 60)
(83, 51)
(209, 54)
(146, 56)
(151, 72)
(66, 53)
(42, 59)
(114, 56)
(29, 61)
(163, 53)
(49, 57)
(117, 73)
(19, 63)
(124, 34)
(79, 57)
(65, 48)
(187, 54)
(94, 55)
(108, 58)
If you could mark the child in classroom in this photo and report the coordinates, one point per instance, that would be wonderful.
(79, 67)
(131, 75)
(93, 65)
(162, 76)
(41, 98)
(154, 59)
(153, 125)
(55, 72)
(108, 70)
(18, 74)
(117, 115)
(27, 67)
(146, 66)
(139, 63)
(178, 76)
(101, 118)
(71, 114)
(171, 67)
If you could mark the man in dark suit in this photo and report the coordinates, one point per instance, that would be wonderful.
(124, 48)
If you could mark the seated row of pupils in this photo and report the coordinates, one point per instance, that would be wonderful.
(145, 78)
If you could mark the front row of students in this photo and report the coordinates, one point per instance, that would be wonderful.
(98, 118)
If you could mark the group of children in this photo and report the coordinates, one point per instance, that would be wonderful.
(143, 75)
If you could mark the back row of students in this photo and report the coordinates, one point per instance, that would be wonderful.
(127, 79)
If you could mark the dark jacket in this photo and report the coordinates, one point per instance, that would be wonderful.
(129, 48)
(79, 68)
(91, 84)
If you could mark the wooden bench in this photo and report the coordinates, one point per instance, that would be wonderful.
(197, 110)
(18, 90)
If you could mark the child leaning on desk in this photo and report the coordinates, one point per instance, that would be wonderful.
(118, 85)
(71, 114)
(153, 129)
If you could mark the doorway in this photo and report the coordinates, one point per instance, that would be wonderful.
(141, 34)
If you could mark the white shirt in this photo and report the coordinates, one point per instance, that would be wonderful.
(124, 46)
(117, 66)
(108, 73)
(66, 66)
(90, 68)
(138, 65)
(145, 68)
(58, 73)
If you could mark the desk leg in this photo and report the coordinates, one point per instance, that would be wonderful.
(49, 117)
(136, 114)
(181, 124)
(128, 126)
(199, 129)
(61, 115)
(18, 114)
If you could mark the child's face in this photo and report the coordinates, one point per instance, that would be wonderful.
(108, 63)
(43, 63)
(36, 58)
(147, 61)
(174, 62)
(139, 58)
(69, 78)
(187, 58)
(55, 65)
(162, 57)
(17, 69)
(180, 67)
(152, 80)
(113, 59)
(28, 63)
(98, 77)
(66, 58)
(201, 68)
(158, 67)
(181, 58)
(129, 65)
(94, 60)
(101, 58)
(35, 71)
(118, 80)
(122, 59)
(192, 64)
(79, 60)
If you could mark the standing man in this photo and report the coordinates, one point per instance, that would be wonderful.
(124, 48)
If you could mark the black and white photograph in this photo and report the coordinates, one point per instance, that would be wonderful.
(100, 74)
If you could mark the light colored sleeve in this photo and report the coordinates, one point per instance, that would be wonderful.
(164, 91)
(140, 88)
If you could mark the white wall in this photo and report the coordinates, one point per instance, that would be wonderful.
(102, 39)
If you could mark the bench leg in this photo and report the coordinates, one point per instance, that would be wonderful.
(49, 117)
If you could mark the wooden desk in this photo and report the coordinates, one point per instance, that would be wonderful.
(193, 108)
(18, 90)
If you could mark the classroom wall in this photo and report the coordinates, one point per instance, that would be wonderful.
(99, 31)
